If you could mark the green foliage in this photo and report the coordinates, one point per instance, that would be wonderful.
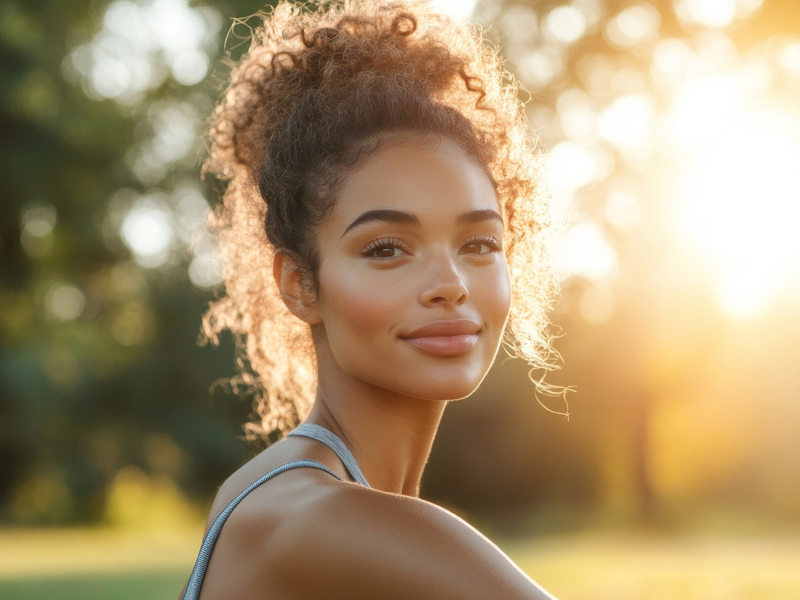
(100, 371)
(76, 404)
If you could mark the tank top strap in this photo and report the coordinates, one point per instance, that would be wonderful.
(192, 591)
(332, 441)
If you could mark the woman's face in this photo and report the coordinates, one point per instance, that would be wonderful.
(413, 285)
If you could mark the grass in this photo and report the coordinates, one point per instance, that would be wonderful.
(144, 585)
(627, 567)
(95, 564)
(109, 565)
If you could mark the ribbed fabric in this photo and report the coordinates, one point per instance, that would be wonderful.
(332, 441)
(316, 432)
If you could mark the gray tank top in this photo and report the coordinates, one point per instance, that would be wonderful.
(315, 432)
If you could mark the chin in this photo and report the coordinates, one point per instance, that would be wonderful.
(420, 376)
(442, 384)
(447, 394)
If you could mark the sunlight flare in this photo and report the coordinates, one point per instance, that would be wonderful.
(740, 204)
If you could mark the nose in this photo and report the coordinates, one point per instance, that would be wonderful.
(444, 284)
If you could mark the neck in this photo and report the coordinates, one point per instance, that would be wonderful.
(389, 434)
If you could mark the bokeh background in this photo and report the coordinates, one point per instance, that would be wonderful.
(673, 130)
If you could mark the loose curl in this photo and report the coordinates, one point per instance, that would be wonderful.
(323, 86)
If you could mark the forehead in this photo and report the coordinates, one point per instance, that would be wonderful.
(429, 178)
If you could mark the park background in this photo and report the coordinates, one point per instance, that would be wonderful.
(673, 130)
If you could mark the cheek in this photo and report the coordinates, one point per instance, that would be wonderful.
(492, 296)
(356, 307)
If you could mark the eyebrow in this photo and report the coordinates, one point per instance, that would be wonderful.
(478, 216)
(399, 217)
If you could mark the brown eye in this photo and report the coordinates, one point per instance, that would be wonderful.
(477, 248)
(480, 245)
(384, 252)
(386, 248)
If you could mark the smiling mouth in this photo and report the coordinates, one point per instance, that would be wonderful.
(449, 337)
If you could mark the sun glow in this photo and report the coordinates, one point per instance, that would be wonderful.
(457, 9)
(739, 192)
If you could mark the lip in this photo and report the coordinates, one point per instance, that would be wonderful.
(446, 337)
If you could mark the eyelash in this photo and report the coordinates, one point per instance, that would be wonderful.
(382, 243)
(491, 242)
(494, 245)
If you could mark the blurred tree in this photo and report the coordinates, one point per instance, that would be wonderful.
(105, 269)
(97, 351)
(644, 334)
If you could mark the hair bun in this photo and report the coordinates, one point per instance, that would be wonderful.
(304, 107)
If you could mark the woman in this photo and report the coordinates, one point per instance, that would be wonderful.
(384, 191)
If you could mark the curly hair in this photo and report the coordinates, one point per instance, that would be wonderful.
(323, 86)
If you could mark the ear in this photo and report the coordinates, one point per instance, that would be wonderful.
(292, 283)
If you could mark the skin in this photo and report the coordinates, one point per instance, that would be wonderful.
(382, 389)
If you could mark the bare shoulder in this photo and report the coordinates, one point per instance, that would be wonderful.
(313, 536)
(391, 546)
